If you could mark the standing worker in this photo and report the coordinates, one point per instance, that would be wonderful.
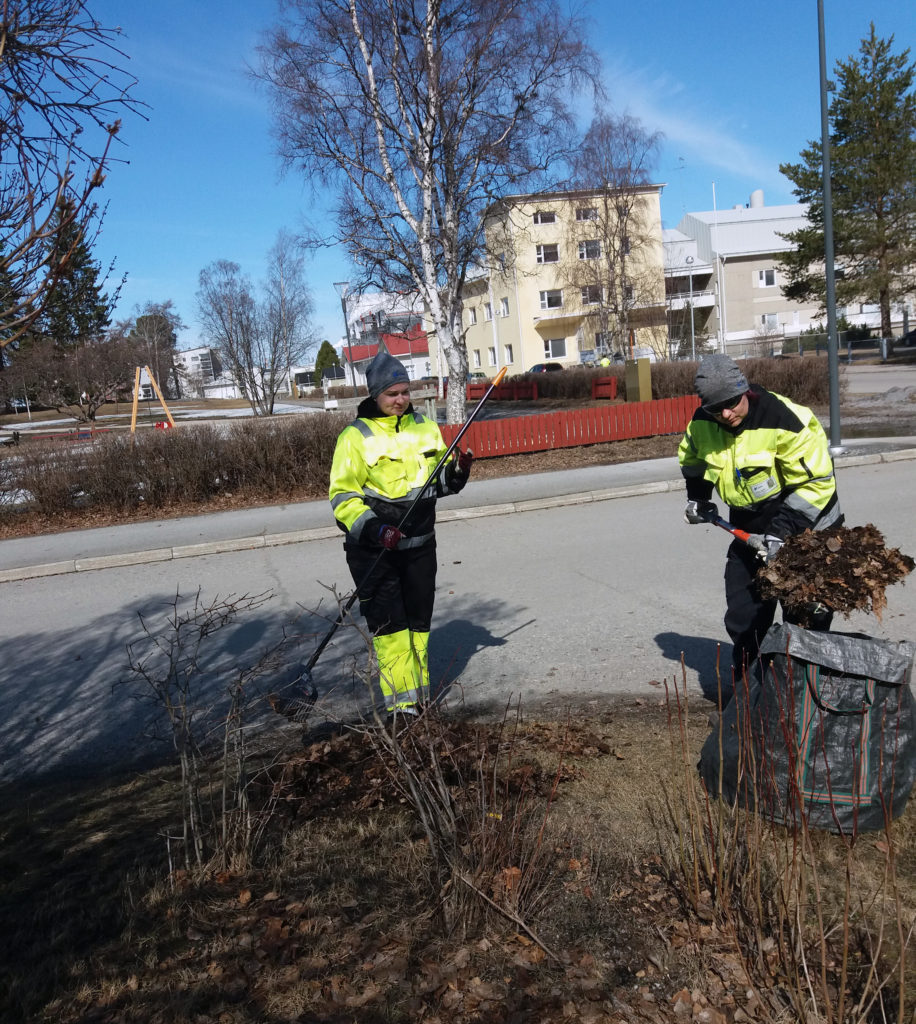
(769, 461)
(382, 462)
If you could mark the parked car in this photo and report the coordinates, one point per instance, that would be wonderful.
(546, 367)
(477, 375)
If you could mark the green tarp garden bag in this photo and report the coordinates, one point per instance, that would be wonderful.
(826, 728)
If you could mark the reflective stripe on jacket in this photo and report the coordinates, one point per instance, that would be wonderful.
(380, 466)
(774, 470)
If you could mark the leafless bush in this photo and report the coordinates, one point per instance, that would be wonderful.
(217, 823)
(187, 464)
(116, 472)
(483, 811)
(802, 381)
(50, 475)
(283, 456)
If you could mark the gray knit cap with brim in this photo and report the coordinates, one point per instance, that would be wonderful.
(384, 372)
(719, 379)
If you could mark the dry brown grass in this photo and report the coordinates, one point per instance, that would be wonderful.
(337, 922)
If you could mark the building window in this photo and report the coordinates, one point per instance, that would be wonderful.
(555, 348)
(507, 352)
(591, 295)
(472, 315)
(491, 355)
(628, 292)
(548, 253)
(766, 278)
(544, 217)
(487, 311)
(603, 341)
(586, 213)
(625, 245)
(769, 321)
(552, 299)
(590, 250)
(475, 358)
(504, 306)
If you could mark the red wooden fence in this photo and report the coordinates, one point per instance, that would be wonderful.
(489, 438)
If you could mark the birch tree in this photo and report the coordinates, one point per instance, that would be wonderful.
(619, 270)
(259, 336)
(420, 114)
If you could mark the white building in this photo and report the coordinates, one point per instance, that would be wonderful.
(732, 257)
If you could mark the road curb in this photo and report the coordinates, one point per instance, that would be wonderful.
(329, 533)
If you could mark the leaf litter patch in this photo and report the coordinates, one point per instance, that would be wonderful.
(845, 568)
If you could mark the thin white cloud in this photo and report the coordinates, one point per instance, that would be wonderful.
(222, 75)
(669, 105)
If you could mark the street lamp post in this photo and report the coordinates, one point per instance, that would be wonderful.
(343, 288)
(833, 359)
(693, 347)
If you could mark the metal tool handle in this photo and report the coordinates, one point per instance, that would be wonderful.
(741, 535)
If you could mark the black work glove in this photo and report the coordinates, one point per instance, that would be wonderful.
(700, 512)
(459, 470)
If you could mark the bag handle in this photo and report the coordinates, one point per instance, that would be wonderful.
(812, 670)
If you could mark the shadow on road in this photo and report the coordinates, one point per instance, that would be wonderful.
(452, 646)
(70, 703)
(701, 654)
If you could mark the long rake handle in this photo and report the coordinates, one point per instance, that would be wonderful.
(326, 639)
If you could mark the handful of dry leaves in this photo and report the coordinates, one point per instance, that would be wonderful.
(846, 569)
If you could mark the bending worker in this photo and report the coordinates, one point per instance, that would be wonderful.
(382, 462)
(769, 461)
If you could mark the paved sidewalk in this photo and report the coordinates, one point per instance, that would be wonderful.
(162, 540)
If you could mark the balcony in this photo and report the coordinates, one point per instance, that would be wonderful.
(701, 300)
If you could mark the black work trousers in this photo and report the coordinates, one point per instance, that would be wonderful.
(747, 615)
(400, 592)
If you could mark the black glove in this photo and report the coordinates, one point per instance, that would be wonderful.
(700, 512)
(388, 536)
(459, 469)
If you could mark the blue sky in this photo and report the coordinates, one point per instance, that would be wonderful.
(733, 86)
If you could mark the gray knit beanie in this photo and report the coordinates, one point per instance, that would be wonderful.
(384, 372)
(719, 379)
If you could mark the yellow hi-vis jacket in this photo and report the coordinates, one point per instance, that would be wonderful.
(774, 470)
(380, 466)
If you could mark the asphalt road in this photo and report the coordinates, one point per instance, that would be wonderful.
(585, 595)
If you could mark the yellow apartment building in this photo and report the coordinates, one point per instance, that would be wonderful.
(570, 277)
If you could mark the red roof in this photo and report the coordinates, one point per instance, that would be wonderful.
(412, 342)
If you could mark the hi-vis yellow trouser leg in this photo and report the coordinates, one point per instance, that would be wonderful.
(403, 662)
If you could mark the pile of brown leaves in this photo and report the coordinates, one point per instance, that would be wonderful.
(845, 568)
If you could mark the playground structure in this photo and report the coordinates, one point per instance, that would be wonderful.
(159, 395)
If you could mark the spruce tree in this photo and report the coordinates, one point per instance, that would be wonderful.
(872, 132)
(327, 356)
(78, 312)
